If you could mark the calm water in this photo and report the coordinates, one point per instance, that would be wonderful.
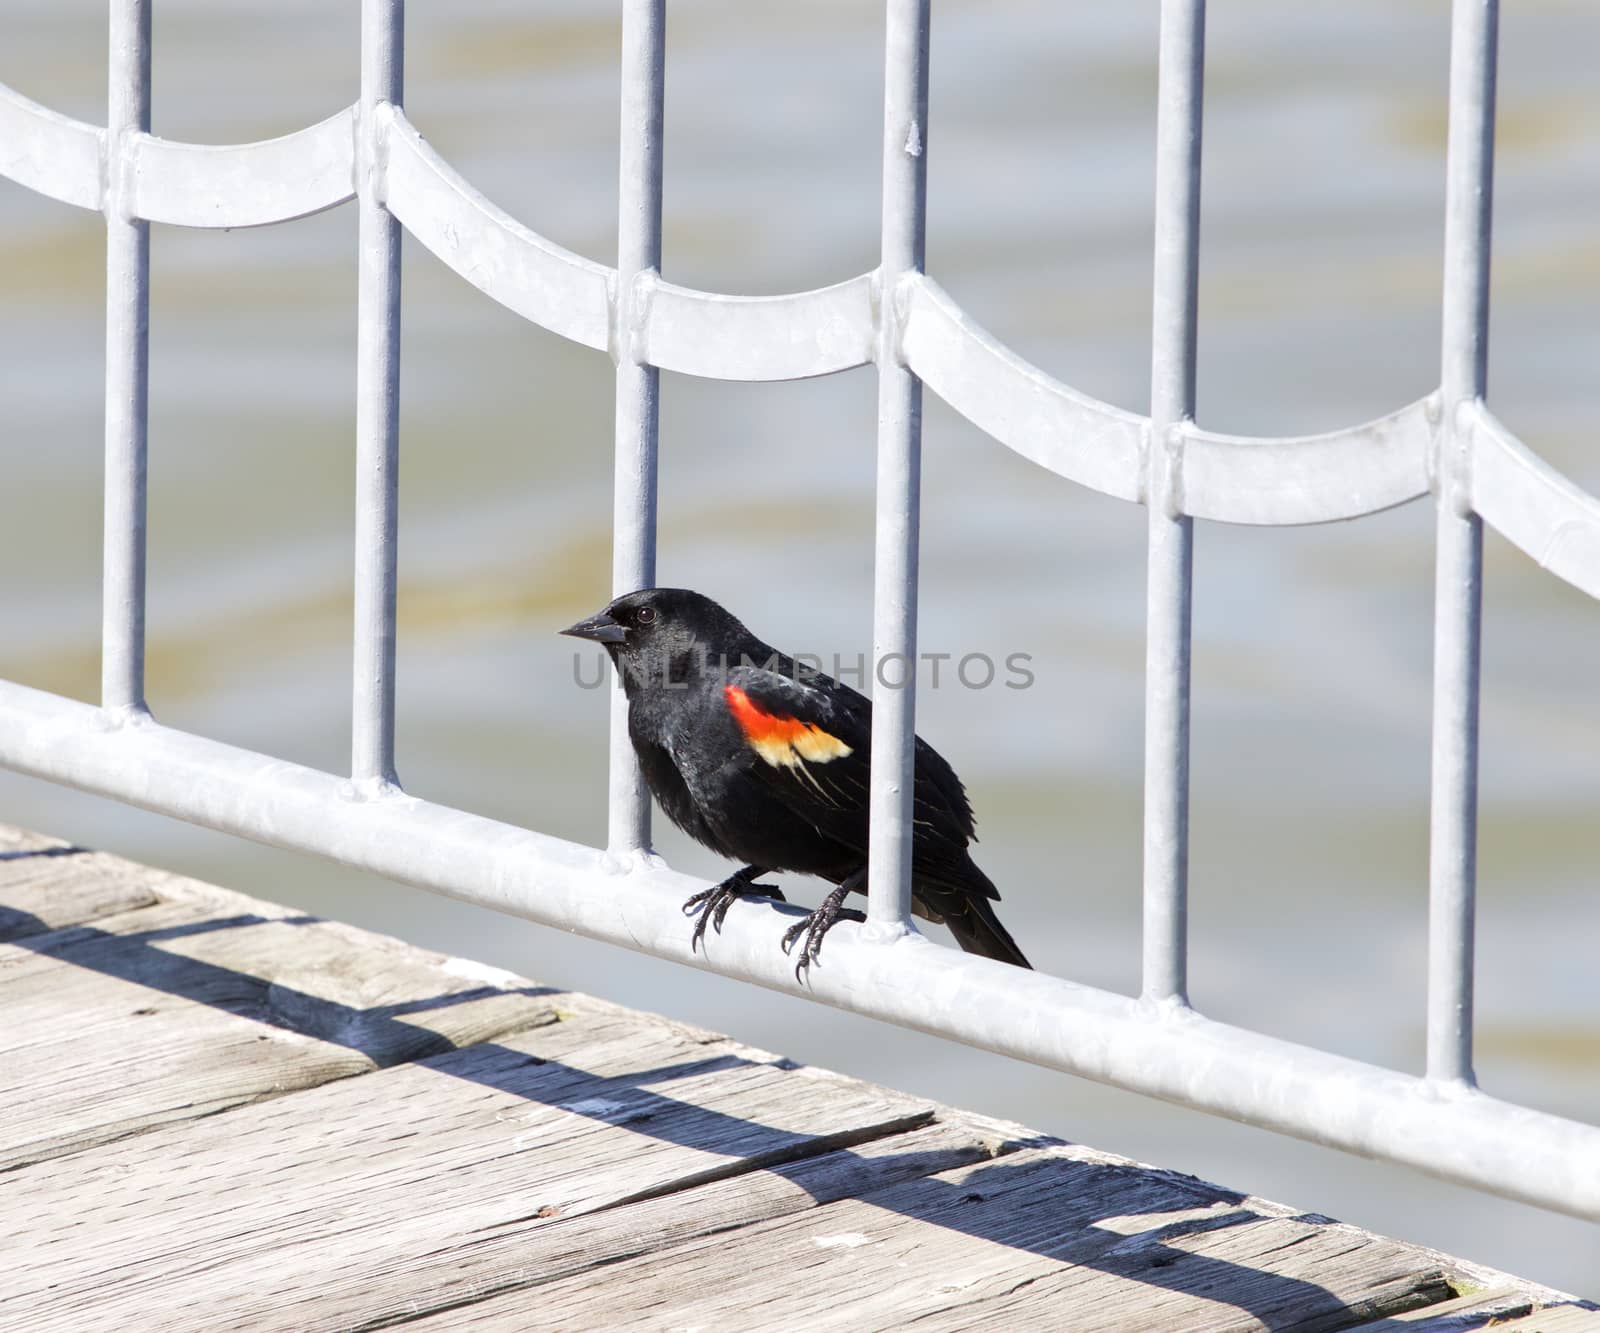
(1324, 140)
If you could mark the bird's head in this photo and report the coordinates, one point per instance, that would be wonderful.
(665, 634)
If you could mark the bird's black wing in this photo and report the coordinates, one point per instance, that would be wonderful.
(810, 744)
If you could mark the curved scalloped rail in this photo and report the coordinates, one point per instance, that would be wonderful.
(1533, 506)
(51, 154)
(792, 337)
(540, 280)
(1229, 478)
(1308, 478)
(1044, 420)
(246, 184)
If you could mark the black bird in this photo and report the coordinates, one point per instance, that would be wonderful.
(765, 761)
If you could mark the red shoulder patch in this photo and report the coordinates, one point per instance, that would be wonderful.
(781, 740)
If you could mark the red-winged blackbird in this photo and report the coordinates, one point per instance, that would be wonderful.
(765, 761)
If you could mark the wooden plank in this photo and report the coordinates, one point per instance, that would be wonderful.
(46, 884)
(484, 1169)
(1033, 1240)
(517, 1257)
(410, 1139)
(1572, 1318)
(1473, 1310)
(207, 999)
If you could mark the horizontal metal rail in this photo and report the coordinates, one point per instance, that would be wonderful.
(636, 902)
(1446, 444)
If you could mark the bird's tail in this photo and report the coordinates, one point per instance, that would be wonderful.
(972, 921)
(978, 930)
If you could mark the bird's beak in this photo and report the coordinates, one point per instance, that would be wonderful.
(599, 628)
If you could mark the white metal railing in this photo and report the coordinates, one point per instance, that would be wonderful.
(897, 318)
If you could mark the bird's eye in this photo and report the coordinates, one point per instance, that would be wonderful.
(646, 615)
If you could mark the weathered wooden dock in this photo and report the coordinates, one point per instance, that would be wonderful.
(220, 1113)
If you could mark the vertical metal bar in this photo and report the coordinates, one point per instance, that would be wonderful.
(894, 594)
(1171, 549)
(633, 558)
(1458, 582)
(127, 366)
(377, 403)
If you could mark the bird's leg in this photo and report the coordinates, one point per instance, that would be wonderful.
(712, 904)
(818, 923)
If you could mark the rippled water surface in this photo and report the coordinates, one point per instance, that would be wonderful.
(1322, 222)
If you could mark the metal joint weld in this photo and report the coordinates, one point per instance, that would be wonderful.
(362, 791)
(892, 312)
(1452, 456)
(1146, 434)
(1450, 460)
(875, 312)
(885, 932)
(126, 717)
(1168, 1008)
(1433, 413)
(632, 861)
(1167, 486)
(102, 138)
(642, 295)
(1453, 1088)
(383, 119)
(372, 130)
(613, 346)
(120, 174)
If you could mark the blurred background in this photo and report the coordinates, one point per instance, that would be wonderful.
(1324, 142)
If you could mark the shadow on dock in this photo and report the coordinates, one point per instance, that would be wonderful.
(1043, 1203)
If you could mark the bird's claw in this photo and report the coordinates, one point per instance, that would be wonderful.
(712, 904)
(814, 925)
